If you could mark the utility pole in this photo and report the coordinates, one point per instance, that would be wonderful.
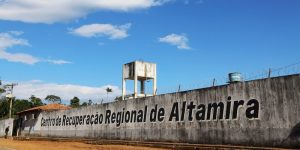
(10, 88)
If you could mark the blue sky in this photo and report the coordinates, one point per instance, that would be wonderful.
(77, 48)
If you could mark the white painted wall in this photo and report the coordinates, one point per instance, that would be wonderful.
(4, 124)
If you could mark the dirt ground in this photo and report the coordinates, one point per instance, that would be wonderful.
(49, 145)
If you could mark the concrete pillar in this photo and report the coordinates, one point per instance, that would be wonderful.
(135, 81)
(142, 86)
(123, 84)
(154, 81)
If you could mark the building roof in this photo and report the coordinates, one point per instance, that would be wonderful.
(49, 107)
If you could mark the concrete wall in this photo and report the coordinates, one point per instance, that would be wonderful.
(4, 124)
(257, 113)
(140, 68)
(29, 122)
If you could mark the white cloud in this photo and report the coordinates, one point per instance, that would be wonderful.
(96, 30)
(18, 57)
(17, 33)
(65, 91)
(58, 62)
(50, 11)
(7, 40)
(10, 39)
(187, 2)
(180, 41)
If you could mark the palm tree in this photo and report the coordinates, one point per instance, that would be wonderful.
(107, 91)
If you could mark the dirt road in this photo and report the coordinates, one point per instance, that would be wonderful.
(9, 144)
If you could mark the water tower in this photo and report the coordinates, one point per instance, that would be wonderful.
(140, 72)
(235, 77)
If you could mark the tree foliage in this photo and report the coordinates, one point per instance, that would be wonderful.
(53, 99)
(35, 101)
(2, 91)
(20, 105)
(4, 107)
(75, 102)
(90, 102)
(108, 90)
(84, 104)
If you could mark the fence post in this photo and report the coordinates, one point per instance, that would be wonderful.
(269, 73)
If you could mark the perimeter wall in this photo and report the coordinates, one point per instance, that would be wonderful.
(263, 112)
(7, 123)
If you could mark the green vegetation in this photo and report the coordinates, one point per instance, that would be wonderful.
(4, 105)
(89, 103)
(75, 102)
(2, 91)
(36, 101)
(84, 104)
(53, 99)
(18, 105)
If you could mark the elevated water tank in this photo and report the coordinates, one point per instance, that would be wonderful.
(235, 77)
(139, 71)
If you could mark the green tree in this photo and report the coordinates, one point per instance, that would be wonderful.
(35, 101)
(53, 99)
(108, 90)
(75, 102)
(90, 102)
(84, 104)
(4, 107)
(2, 91)
(20, 105)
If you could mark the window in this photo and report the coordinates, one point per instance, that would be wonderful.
(35, 116)
(28, 116)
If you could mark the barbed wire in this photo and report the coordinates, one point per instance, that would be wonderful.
(261, 74)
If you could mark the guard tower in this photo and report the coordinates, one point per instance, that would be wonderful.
(139, 71)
